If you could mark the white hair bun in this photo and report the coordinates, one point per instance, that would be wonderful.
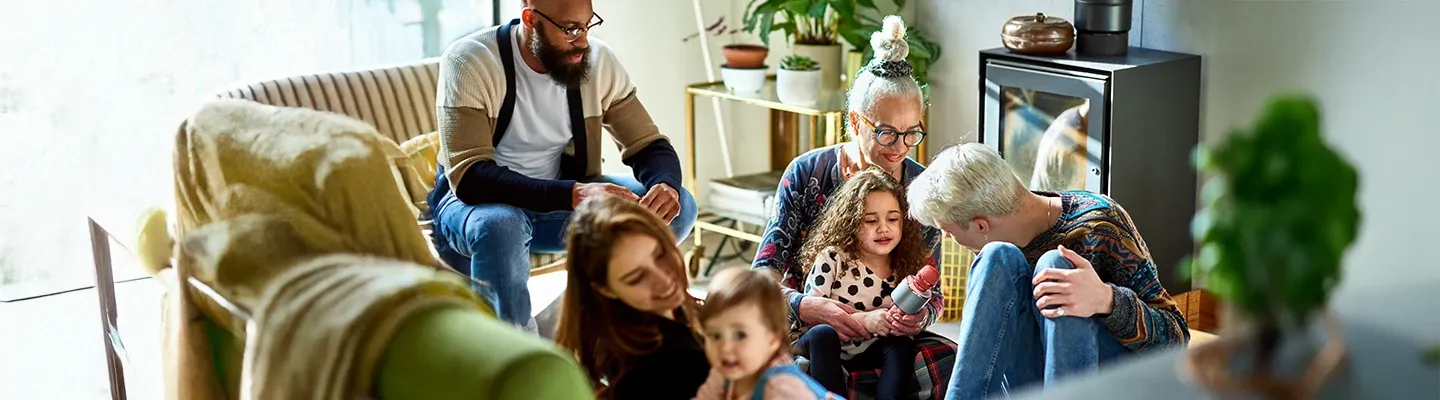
(889, 42)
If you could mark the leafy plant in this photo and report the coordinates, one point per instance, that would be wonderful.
(796, 62)
(814, 22)
(1277, 216)
(825, 22)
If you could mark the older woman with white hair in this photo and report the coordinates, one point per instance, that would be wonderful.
(1062, 284)
(885, 109)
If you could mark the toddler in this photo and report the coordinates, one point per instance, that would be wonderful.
(744, 319)
(863, 247)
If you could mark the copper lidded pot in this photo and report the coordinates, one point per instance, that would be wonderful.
(1038, 34)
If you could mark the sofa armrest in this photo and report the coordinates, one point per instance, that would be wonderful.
(453, 353)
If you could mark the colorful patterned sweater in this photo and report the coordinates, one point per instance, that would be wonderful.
(1093, 225)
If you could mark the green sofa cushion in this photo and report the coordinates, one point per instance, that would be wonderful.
(453, 353)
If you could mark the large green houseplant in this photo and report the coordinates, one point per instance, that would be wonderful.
(1278, 214)
(828, 22)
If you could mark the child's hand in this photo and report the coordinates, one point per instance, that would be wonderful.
(874, 321)
(902, 324)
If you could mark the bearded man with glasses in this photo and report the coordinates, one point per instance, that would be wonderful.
(521, 109)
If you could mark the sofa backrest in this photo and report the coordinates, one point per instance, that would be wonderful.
(398, 100)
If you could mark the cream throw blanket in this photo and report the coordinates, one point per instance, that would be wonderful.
(295, 215)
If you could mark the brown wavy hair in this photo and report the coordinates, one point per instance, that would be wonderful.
(605, 334)
(841, 220)
(734, 287)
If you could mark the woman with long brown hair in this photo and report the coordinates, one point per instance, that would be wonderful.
(626, 313)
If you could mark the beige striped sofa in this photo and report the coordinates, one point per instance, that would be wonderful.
(399, 101)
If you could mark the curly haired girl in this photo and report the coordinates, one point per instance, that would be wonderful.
(862, 248)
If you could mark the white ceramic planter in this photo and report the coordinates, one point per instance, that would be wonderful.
(743, 80)
(829, 60)
(801, 88)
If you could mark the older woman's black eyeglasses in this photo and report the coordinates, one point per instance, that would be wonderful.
(888, 136)
(571, 32)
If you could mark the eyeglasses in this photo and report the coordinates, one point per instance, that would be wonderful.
(888, 136)
(571, 33)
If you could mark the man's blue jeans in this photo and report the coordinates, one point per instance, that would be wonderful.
(1005, 344)
(491, 243)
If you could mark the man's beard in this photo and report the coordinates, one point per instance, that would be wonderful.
(555, 62)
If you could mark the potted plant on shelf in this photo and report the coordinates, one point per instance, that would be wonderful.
(816, 27)
(811, 25)
(744, 68)
(1277, 216)
(799, 81)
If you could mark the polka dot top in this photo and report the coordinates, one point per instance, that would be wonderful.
(835, 276)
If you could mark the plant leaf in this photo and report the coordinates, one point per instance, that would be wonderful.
(796, 7)
(767, 25)
(751, 15)
(817, 10)
(844, 9)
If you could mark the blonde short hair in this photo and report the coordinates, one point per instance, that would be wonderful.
(964, 182)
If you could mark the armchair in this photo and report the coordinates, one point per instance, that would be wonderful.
(439, 353)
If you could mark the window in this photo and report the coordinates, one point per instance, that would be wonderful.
(92, 91)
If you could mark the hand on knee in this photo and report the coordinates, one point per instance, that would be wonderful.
(1053, 259)
(1065, 284)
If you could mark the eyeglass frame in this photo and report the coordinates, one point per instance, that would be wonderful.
(569, 36)
(898, 135)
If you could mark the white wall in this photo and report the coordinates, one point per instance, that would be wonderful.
(649, 44)
(660, 65)
(91, 92)
(1371, 64)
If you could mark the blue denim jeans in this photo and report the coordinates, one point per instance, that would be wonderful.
(1005, 344)
(491, 243)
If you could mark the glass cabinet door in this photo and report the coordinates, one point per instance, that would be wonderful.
(1041, 123)
(1043, 135)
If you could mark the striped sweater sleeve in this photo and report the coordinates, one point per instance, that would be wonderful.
(1144, 316)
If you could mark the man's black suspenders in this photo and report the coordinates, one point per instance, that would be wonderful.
(572, 166)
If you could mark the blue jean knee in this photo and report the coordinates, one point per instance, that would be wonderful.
(1001, 262)
(490, 244)
(1053, 259)
(684, 222)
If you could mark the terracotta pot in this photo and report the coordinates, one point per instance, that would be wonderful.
(1038, 35)
(1260, 360)
(745, 56)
